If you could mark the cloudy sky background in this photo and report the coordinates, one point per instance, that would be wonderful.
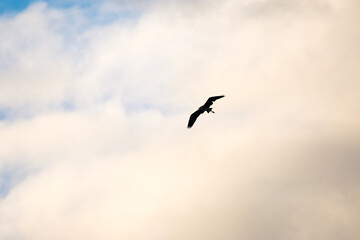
(95, 97)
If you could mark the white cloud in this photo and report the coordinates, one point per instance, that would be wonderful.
(278, 160)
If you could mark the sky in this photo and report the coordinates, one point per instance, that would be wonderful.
(94, 102)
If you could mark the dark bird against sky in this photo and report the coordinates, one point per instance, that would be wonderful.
(206, 107)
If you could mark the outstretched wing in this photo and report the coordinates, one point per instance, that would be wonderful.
(193, 118)
(210, 101)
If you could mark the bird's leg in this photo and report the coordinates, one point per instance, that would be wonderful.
(210, 110)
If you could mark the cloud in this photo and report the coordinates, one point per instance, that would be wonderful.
(95, 114)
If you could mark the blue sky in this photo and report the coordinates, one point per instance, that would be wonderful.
(9, 177)
(5, 182)
(13, 6)
(92, 11)
(9, 6)
(2, 114)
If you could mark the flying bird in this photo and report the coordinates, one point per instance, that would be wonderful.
(206, 107)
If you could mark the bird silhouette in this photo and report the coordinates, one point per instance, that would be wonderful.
(206, 107)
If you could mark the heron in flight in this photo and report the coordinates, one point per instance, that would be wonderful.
(206, 107)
